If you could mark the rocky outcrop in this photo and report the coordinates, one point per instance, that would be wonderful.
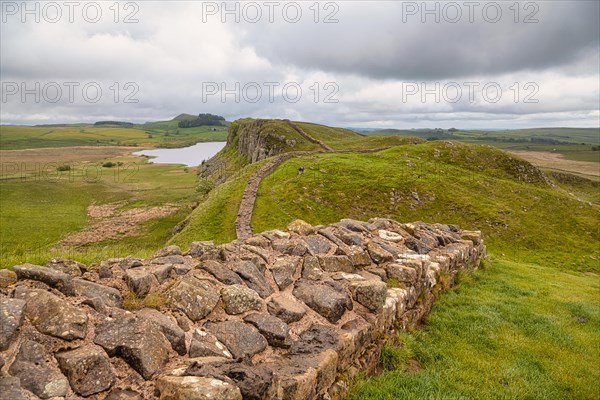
(281, 315)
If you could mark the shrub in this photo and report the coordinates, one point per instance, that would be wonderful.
(109, 164)
(204, 187)
(63, 167)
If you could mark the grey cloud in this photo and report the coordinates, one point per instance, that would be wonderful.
(371, 40)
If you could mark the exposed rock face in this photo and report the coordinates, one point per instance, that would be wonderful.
(195, 298)
(53, 316)
(286, 309)
(280, 315)
(87, 369)
(326, 299)
(241, 339)
(36, 376)
(195, 387)
(138, 342)
(238, 299)
(11, 318)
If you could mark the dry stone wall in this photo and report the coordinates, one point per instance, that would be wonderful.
(281, 315)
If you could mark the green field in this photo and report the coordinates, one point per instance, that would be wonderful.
(573, 143)
(510, 331)
(154, 134)
(37, 211)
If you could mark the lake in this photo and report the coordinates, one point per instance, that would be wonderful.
(190, 156)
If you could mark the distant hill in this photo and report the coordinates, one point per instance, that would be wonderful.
(113, 123)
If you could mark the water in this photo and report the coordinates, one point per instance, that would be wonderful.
(189, 156)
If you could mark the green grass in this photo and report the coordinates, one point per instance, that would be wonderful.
(214, 219)
(35, 214)
(14, 137)
(473, 186)
(509, 331)
(588, 136)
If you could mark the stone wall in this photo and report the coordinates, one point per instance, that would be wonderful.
(280, 315)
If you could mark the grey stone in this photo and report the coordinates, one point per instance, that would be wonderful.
(286, 309)
(10, 389)
(11, 319)
(196, 388)
(380, 272)
(238, 299)
(90, 290)
(49, 276)
(241, 339)
(171, 250)
(315, 340)
(378, 254)
(197, 249)
(54, 316)
(253, 278)
(300, 227)
(272, 328)
(259, 251)
(283, 272)
(140, 280)
(71, 267)
(369, 293)
(87, 368)
(353, 225)
(417, 245)
(194, 297)
(351, 238)
(104, 271)
(172, 259)
(32, 368)
(137, 341)
(161, 272)
(311, 269)
(292, 247)
(326, 300)
(222, 273)
(168, 326)
(181, 269)
(358, 256)
(317, 244)
(401, 272)
(335, 264)
(205, 344)
(258, 241)
(7, 278)
(130, 262)
(474, 236)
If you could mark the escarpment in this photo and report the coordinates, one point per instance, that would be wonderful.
(280, 315)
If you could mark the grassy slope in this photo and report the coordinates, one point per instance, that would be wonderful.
(510, 331)
(36, 213)
(214, 218)
(576, 143)
(475, 187)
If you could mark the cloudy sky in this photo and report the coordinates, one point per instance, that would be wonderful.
(478, 64)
